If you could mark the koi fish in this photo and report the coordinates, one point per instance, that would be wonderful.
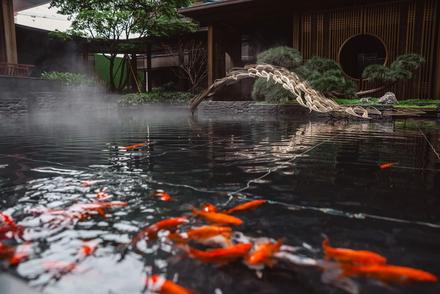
(64, 213)
(221, 255)
(208, 207)
(14, 255)
(134, 146)
(86, 184)
(391, 273)
(205, 232)
(61, 266)
(102, 195)
(111, 204)
(387, 165)
(345, 255)
(6, 251)
(87, 249)
(97, 205)
(246, 206)
(21, 253)
(263, 254)
(218, 218)
(162, 195)
(158, 284)
(152, 230)
(210, 235)
(10, 226)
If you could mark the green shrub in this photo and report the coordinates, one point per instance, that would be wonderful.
(287, 57)
(270, 92)
(68, 78)
(323, 74)
(326, 76)
(157, 95)
(401, 69)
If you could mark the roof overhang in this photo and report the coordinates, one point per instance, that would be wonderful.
(240, 10)
(20, 5)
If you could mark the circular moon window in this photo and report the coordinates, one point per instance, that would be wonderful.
(360, 51)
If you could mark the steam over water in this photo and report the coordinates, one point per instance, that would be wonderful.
(320, 178)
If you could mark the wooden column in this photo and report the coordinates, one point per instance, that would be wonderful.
(296, 29)
(216, 54)
(437, 58)
(211, 54)
(8, 41)
(149, 86)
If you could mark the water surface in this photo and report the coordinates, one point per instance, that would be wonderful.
(321, 178)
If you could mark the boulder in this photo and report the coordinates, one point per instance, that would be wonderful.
(365, 100)
(388, 98)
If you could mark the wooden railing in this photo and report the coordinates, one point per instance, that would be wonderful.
(16, 70)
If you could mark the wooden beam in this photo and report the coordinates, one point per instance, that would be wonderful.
(8, 30)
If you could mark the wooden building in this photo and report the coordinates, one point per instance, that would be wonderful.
(355, 33)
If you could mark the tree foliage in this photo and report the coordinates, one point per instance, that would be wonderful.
(326, 75)
(401, 69)
(323, 74)
(284, 56)
(123, 19)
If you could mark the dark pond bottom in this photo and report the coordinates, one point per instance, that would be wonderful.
(320, 177)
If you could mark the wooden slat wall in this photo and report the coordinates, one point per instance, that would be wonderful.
(407, 26)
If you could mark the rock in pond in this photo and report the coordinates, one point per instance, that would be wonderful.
(388, 98)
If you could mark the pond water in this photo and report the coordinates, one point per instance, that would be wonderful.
(320, 177)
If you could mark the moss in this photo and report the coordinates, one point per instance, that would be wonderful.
(410, 103)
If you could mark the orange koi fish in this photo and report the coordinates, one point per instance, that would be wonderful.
(221, 255)
(166, 224)
(263, 253)
(111, 204)
(162, 195)
(6, 251)
(61, 266)
(391, 273)
(246, 206)
(134, 146)
(97, 205)
(10, 226)
(387, 165)
(158, 284)
(206, 232)
(208, 207)
(344, 255)
(21, 253)
(218, 218)
(14, 255)
(208, 235)
(87, 249)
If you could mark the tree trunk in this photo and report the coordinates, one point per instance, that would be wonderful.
(375, 90)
